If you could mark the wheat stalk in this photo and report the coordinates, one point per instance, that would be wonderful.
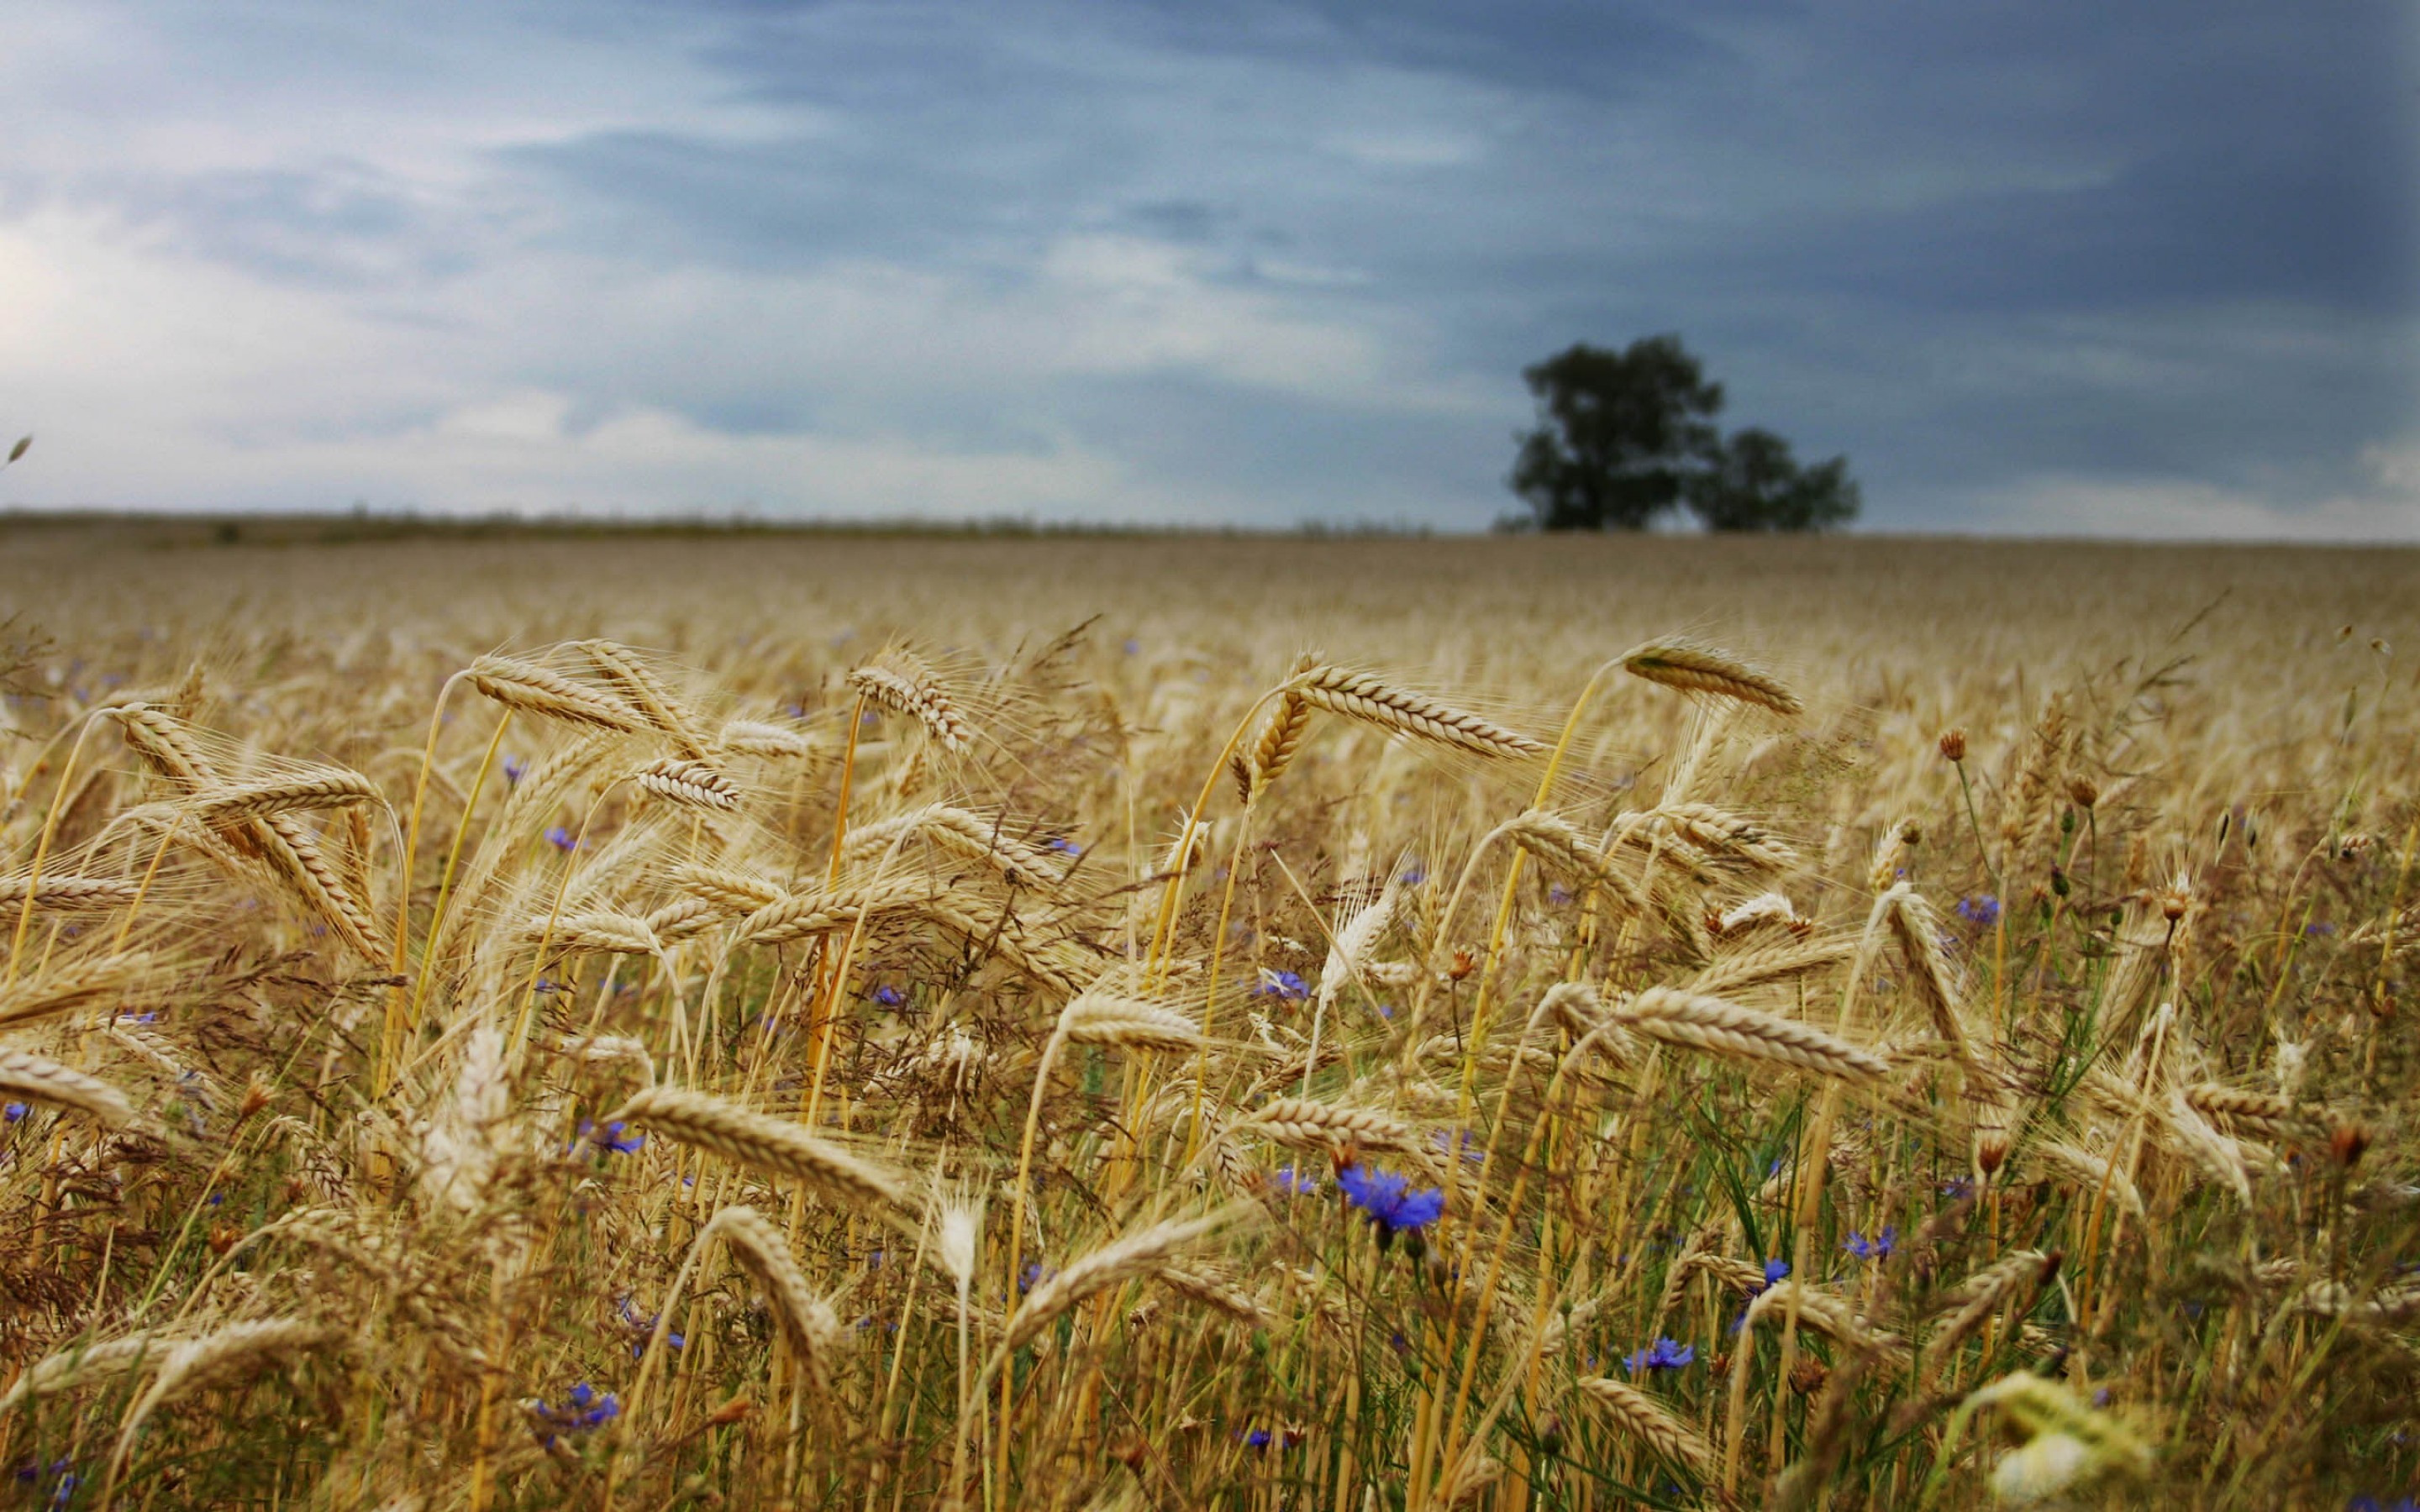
(1701, 669)
(1725, 1028)
(796, 917)
(606, 1047)
(1711, 828)
(332, 788)
(1826, 1312)
(1298, 1121)
(1983, 1294)
(2263, 1114)
(689, 783)
(73, 985)
(165, 744)
(1144, 1254)
(1917, 929)
(1215, 1290)
(1129, 1021)
(47, 1081)
(1000, 931)
(2217, 1156)
(1367, 697)
(807, 1320)
(683, 918)
(2090, 1172)
(764, 1143)
(68, 894)
(969, 834)
(902, 682)
(1552, 837)
(1763, 909)
(232, 1354)
(637, 683)
(729, 891)
(614, 933)
(539, 690)
(755, 737)
(83, 1363)
(1473, 1472)
(1281, 737)
(1647, 1419)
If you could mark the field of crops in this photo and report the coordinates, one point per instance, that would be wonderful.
(695, 1018)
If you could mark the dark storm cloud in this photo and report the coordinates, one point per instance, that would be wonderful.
(1289, 257)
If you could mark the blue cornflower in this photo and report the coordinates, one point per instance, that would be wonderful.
(1983, 909)
(1291, 1182)
(889, 996)
(1472, 1154)
(1666, 1354)
(1877, 1248)
(11, 1112)
(1062, 845)
(32, 1471)
(138, 1018)
(1775, 1270)
(1133, 646)
(583, 1408)
(63, 1490)
(644, 1327)
(2371, 1504)
(515, 766)
(561, 838)
(1034, 1273)
(2320, 928)
(1281, 985)
(1387, 1198)
(613, 1138)
(1255, 1439)
(1414, 875)
(1558, 894)
(1960, 1187)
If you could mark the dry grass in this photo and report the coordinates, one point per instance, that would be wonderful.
(745, 1061)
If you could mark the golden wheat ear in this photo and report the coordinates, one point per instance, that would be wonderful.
(39, 1080)
(902, 681)
(1646, 1419)
(526, 687)
(1693, 668)
(774, 1146)
(1369, 697)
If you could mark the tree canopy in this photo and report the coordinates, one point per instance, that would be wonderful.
(1754, 484)
(1625, 437)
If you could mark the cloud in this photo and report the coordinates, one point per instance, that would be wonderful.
(1251, 264)
(2386, 509)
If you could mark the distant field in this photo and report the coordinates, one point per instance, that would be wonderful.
(1544, 1081)
(1838, 610)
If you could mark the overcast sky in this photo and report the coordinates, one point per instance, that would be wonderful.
(2141, 269)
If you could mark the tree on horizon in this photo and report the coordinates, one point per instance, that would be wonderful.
(1624, 438)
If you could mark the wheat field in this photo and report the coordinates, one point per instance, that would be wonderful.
(691, 1018)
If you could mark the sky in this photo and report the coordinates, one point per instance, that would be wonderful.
(2149, 270)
